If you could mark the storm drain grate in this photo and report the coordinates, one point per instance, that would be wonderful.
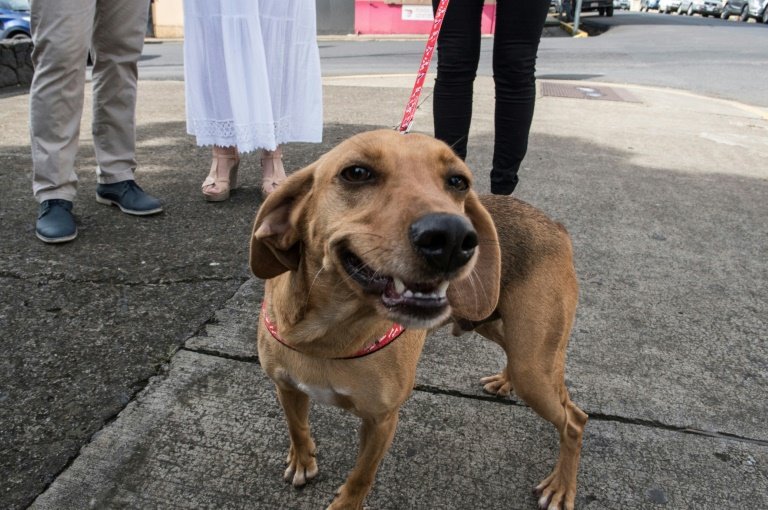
(554, 89)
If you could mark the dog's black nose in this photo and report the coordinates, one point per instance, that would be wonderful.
(446, 241)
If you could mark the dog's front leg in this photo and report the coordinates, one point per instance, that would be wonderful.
(302, 465)
(375, 439)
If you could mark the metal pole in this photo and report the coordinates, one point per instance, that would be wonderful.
(576, 16)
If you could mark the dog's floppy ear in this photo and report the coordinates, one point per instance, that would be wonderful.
(476, 296)
(275, 240)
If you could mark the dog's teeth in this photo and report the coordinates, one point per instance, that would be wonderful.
(419, 295)
(442, 289)
(408, 294)
(399, 285)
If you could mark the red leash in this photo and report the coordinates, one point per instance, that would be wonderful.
(410, 109)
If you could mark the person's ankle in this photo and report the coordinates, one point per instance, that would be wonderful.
(502, 188)
(229, 151)
(275, 154)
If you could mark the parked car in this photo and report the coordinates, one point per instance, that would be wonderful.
(669, 6)
(603, 7)
(647, 5)
(758, 9)
(14, 19)
(738, 8)
(622, 5)
(703, 7)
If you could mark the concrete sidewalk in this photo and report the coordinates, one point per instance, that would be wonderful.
(663, 192)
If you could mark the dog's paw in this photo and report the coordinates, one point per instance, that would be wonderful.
(343, 500)
(555, 494)
(301, 467)
(498, 384)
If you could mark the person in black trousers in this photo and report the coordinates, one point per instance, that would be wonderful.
(519, 24)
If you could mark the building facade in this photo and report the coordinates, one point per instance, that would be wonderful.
(337, 17)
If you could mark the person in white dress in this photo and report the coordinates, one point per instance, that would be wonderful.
(252, 81)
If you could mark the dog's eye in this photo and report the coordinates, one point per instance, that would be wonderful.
(356, 174)
(458, 182)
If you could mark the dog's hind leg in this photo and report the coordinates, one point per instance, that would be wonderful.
(537, 317)
(302, 465)
(375, 439)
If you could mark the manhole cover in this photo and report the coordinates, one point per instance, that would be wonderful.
(554, 89)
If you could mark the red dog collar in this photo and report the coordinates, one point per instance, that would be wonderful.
(390, 336)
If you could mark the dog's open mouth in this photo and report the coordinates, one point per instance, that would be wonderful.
(419, 300)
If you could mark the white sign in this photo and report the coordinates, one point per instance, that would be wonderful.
(416, 13)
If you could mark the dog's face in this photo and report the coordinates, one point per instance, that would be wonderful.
(393, 219)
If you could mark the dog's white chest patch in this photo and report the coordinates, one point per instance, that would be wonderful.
(326, 395)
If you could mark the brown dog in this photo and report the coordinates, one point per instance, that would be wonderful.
(384, 229)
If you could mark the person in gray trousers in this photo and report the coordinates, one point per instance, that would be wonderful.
(63, 32)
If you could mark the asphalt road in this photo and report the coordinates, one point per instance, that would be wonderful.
(713, 57)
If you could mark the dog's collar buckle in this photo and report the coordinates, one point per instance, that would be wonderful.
(390, 336)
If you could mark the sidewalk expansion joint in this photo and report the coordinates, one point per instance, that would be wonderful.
(674, 428)
(456, 393)
(112, 281)
(219, 354)
(595, 416)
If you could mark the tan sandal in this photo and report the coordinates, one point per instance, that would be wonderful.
(222, 178)
(272, 171)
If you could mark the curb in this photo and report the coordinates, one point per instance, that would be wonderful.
(568, 27)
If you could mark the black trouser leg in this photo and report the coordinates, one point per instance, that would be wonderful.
(458, 53)
(519, 24)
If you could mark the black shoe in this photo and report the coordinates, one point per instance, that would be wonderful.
(129, 197)
(55, 223)
(503, 184)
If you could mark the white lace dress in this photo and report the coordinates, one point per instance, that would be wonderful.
(252, 73)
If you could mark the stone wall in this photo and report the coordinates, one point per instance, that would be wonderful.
(15, 63)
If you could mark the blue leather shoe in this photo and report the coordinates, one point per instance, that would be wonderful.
(55, 223)
(129, 197)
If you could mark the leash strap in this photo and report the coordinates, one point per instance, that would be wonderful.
(413, 102)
